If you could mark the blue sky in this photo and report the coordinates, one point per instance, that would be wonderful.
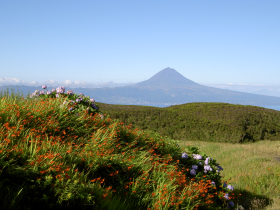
(207, 41)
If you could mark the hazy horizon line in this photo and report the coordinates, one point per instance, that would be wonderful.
(15, 81)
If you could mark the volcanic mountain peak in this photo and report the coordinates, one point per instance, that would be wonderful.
(167, 77)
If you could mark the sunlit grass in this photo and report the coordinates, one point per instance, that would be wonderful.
(252, 168)
(50, 158)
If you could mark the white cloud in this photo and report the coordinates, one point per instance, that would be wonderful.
(6, 80)
(238, 84)
(33, 82)
(66, 83)
(248, 84)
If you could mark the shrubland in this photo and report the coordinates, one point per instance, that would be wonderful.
(62, 151)
(212, 122)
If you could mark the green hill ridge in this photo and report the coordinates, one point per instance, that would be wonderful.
(217, 122)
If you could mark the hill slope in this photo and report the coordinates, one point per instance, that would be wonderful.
(218, 122)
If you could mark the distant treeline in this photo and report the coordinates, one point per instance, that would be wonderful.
(217, 122)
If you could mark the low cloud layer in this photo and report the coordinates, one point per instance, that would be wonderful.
(66, 83)
(273, 90)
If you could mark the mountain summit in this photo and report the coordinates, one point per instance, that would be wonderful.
(167, 77)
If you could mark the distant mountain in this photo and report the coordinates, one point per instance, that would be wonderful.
(167, 87)
(167, 78)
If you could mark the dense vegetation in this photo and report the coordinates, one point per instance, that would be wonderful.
(51, 158)
(217, 122)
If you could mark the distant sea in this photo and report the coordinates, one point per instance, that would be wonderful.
(272, 107)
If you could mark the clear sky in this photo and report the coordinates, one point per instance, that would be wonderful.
(207, 41)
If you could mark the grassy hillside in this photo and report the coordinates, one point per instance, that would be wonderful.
(51, 158)
(216, 122)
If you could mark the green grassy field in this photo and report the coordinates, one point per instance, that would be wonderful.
(252, 168)
(53, 159)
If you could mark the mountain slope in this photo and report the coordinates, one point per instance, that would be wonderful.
(167, 78)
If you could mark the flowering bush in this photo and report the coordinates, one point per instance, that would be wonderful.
(75, 103)
(202, 167)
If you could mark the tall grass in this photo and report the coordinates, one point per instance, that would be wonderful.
(252, 168)
(52, 159)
